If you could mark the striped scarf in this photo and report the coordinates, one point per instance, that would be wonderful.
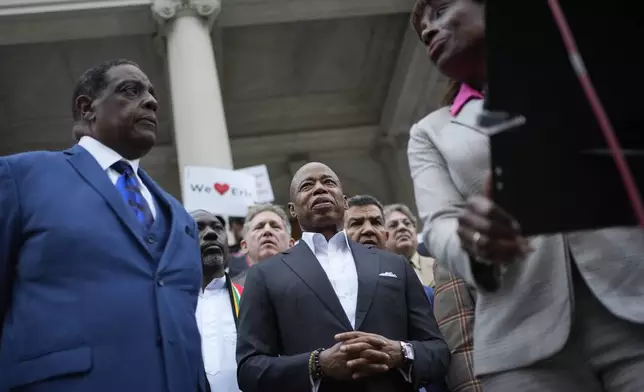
(236, 291)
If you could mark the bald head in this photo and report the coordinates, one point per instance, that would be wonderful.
(200, 213)
(305, 171)
(317, 199)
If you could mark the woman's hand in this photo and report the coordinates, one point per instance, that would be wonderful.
(489, 233)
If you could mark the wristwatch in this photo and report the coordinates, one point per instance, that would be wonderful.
(408, 353)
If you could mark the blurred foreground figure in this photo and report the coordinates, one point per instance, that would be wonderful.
(558, 312)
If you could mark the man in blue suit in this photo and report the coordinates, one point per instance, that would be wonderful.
(99, 267)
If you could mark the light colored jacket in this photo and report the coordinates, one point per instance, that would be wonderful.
(424, 267)
(529, 317)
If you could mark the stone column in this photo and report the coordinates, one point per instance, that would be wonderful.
(201, 135)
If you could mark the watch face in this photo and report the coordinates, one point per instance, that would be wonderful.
(408, 351)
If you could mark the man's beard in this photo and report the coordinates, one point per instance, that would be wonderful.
(213, 260)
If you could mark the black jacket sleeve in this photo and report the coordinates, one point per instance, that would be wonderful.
(432, 355)
(260, 368)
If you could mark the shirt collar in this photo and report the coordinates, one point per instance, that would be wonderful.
(465, 93)
(215, 284)
(415, 261)
(104, 155)
(317, 240)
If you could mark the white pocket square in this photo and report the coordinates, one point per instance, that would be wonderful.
(388, 274)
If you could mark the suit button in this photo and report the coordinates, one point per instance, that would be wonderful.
(159, 342)
(188, 230)
(160, 283)
(150, 239)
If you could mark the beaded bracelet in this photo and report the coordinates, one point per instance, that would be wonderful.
(315, 369)
(312, 363)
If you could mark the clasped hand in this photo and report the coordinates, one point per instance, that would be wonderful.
(359, 354)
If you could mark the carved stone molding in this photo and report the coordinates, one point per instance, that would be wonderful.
(165, 10)
(40, 7)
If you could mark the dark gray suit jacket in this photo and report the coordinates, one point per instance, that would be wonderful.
(289, 309)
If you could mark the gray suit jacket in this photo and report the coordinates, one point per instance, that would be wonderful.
(529, 317)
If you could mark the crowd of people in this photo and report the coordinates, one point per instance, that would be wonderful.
(107, 283)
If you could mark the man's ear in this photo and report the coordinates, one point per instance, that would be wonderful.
(291, 210)
(244, 246)
(291, 242)
(84, 106)
(345, 200)
(386, 235)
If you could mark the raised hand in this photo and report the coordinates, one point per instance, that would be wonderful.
(488, 232)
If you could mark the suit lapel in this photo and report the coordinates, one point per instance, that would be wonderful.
(469, 114)
(83, 162)
(367, 266)
(303, 262)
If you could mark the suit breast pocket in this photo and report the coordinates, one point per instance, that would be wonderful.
(391, 285)
(392, 288)
(391, 294)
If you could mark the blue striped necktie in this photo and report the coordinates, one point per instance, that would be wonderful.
(128, 186)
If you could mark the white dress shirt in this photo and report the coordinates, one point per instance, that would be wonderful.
(338, 263)
(336, 259)
(106, 157)
(218, 336)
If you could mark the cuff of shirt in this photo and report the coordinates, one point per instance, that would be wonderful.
(406, 373)
(315, 385)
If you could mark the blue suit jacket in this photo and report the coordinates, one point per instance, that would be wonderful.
(84, 306)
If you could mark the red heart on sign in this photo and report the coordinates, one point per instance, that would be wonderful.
(221, 188)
